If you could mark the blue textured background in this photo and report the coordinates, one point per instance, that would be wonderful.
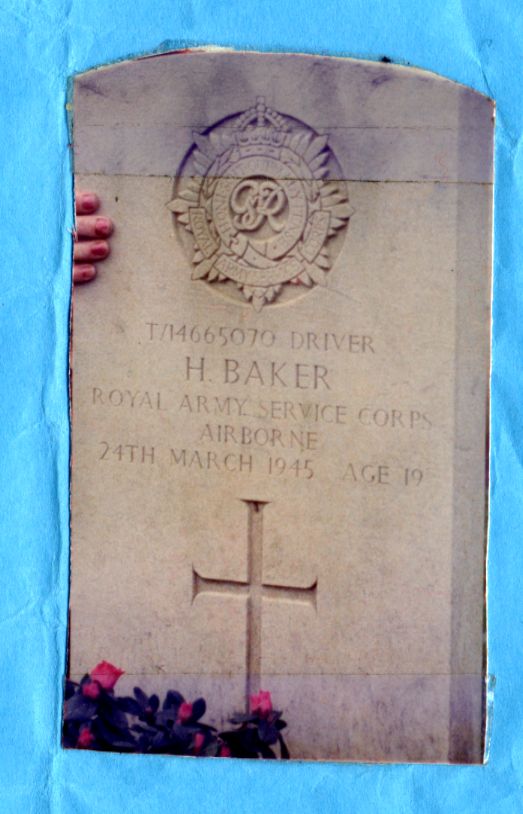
(42, 43)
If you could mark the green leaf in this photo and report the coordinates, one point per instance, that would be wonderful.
(109, 712)
(144, 730)
(198, 709)
(173, 700)
(112, 736)
(160, 739)
(182, 735)
(167, 717)
(205, 727)
(268, 733)
(129, 705)
(285, 754)
(140, 696)
(211, 750)
(242, 718)
(266, 751)
(70, 689)
(79, 708)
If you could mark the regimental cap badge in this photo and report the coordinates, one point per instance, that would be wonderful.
(260, 197)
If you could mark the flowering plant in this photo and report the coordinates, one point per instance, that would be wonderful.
(95, 718)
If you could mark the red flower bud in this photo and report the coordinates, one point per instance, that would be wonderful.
(85, 738)
(261, 704)
(91, 689)
(106, 675)
(184, 713)
(199, 740)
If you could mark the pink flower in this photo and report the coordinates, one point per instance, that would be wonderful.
(106, 675)
(261, 704)
(91, 689)
(85, 738)
(224, 751)
(184, 713)
(199, 740)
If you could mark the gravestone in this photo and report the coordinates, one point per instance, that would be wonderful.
(279, 400)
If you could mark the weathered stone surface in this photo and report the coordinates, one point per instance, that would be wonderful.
(283, 484)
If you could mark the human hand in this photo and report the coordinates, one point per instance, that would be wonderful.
(91, 230)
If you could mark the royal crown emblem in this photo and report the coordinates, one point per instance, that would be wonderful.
(261, 197)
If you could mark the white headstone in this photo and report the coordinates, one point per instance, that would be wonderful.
(280, 395)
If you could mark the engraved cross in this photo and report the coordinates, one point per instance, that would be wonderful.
(256, 590)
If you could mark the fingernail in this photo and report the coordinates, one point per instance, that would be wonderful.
(103, 226)
(99, 249)
(85, 272)
(90, 202)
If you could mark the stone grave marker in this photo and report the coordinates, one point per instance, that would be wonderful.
(280, 395)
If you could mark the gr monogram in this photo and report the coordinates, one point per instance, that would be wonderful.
(254, 201)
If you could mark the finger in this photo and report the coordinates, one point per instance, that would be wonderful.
(90, 250)
(86, 202)
(92, 226)
(83, 272)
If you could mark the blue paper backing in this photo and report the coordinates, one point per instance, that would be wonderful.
(44, 42)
